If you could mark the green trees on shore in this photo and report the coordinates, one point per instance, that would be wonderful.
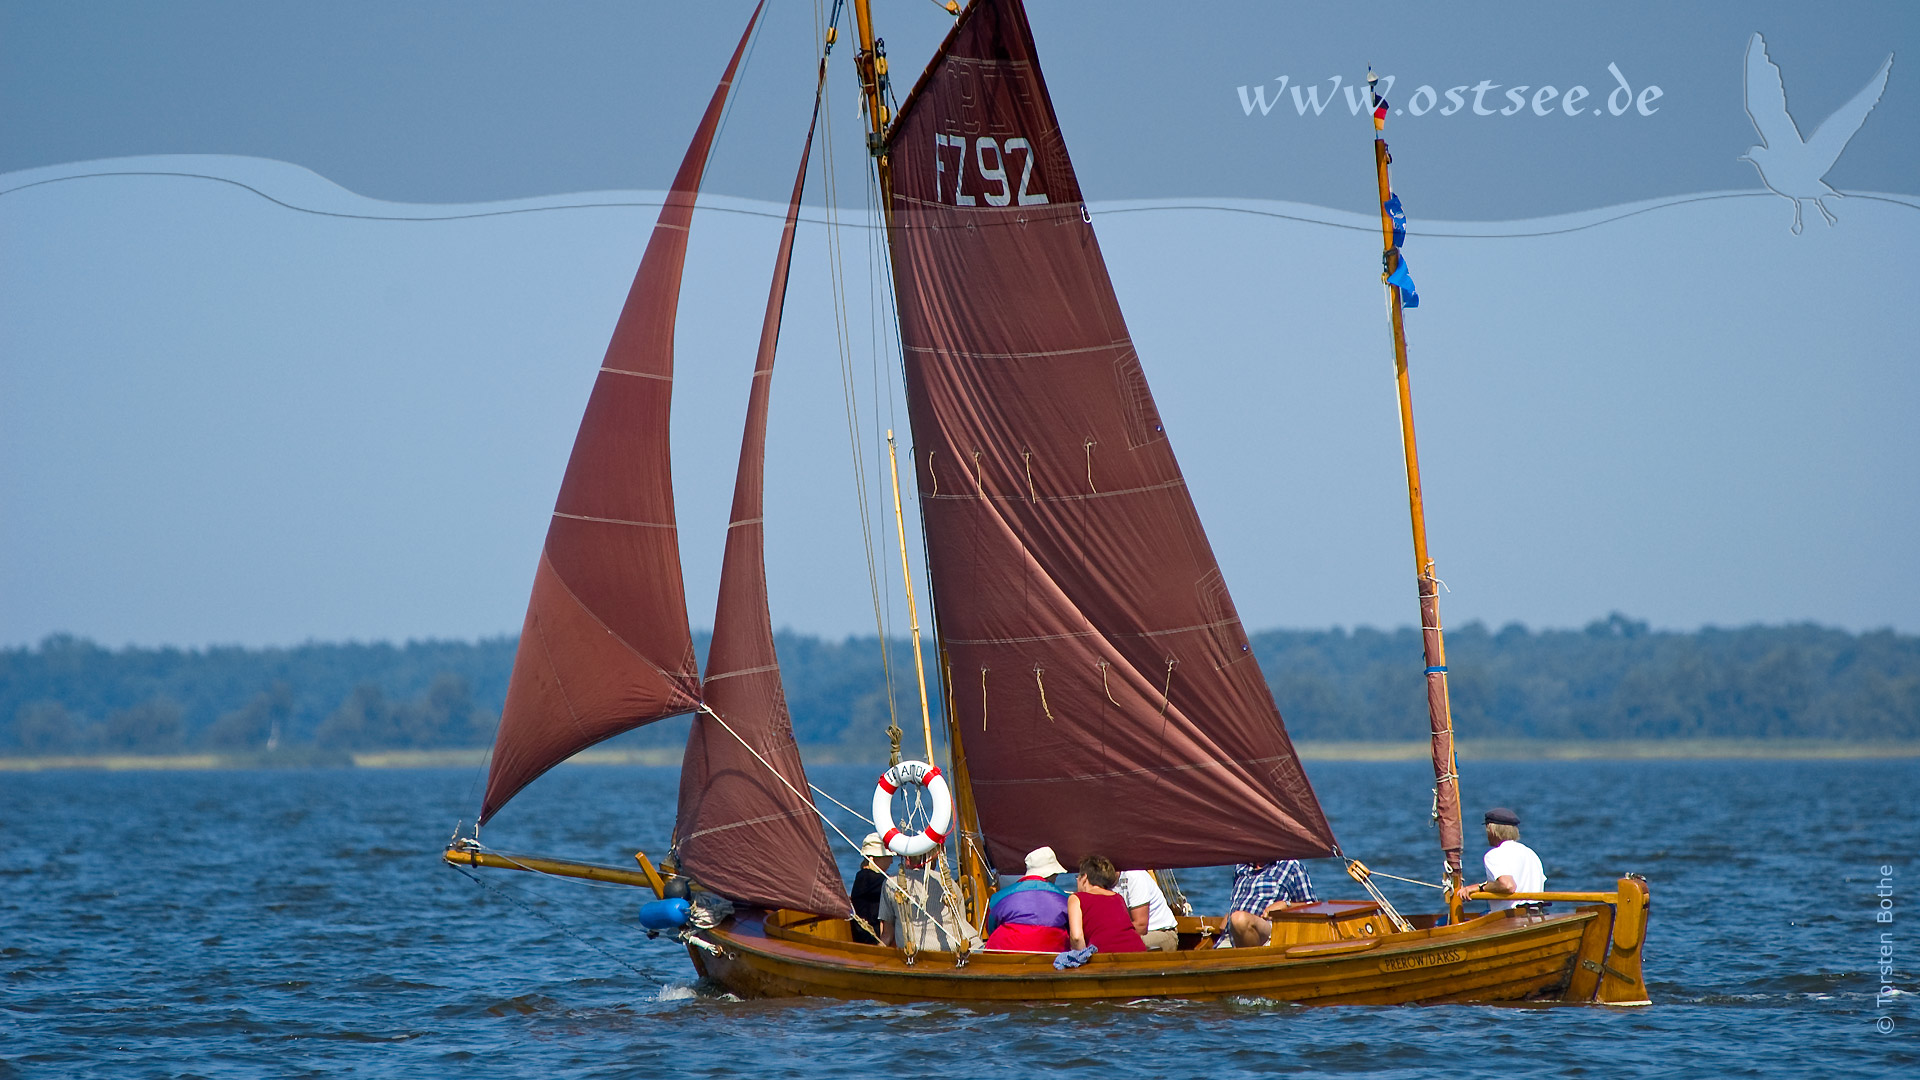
(71, 696)
(1614, 679)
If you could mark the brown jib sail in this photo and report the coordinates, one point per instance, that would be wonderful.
(1099, 673)
(606, 646)
(746, 826)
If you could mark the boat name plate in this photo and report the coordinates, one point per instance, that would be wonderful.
(1420, 960)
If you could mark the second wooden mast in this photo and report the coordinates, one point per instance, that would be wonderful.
(1446, 777)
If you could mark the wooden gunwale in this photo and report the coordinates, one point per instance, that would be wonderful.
(1496, 962)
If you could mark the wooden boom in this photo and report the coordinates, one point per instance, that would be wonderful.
(646, 877)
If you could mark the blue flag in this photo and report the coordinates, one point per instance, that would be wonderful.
(1403, 281)
(1399, 217)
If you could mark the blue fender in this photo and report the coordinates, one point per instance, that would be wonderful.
(664, 914)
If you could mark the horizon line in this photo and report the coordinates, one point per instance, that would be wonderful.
(1641, 627)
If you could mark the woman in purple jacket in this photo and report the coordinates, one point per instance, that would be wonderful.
(1030, 914)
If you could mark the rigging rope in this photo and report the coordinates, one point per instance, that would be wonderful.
(1170, 889)
(949, 894)
(957, 942)
(536, 913)
(836, 275)
(838, 803)
(1408, 880)
(733, 85)
(778, 775)
(1358, 871)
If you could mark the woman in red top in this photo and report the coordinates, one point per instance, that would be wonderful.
(1098, 916)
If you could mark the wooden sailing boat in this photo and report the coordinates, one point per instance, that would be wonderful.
(1100, 692)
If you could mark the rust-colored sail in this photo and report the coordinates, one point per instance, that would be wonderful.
(606, 646)
(1099, 672)
(743, 831)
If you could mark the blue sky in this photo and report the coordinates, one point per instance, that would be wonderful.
(224, 421)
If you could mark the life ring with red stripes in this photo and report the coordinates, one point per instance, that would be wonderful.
(939, 825)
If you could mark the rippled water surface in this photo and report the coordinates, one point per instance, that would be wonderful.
(238, 924)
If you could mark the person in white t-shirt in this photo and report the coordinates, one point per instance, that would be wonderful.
(1512, 867)
(1152, 919)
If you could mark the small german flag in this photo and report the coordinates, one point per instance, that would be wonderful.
(1380, 104)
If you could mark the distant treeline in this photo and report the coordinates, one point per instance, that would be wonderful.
(1615, 679)
(71, 696)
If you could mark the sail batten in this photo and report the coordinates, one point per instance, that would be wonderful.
(606, 646)
(1106, 686)
(746, 827)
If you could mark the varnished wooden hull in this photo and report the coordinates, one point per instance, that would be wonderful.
(1569, 957)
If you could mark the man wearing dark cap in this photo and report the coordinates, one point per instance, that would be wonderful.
(1512, 867)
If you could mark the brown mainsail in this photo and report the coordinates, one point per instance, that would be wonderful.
(1098, 670)
(746, 826)
(606, 646)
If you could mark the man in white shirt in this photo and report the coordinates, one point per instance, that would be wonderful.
(1512, 867)
(1152, 919)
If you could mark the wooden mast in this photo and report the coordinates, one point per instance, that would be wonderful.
(870, 63)
(1446, 780)
(972, 875)
(973, 867)
(913, 610)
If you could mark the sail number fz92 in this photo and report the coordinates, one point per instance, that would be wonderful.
(987, 180)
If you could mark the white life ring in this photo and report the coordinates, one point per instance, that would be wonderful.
(938, 827)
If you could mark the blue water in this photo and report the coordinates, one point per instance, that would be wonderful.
(245, 924)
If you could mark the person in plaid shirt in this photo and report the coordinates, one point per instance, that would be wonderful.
(1258, 888)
